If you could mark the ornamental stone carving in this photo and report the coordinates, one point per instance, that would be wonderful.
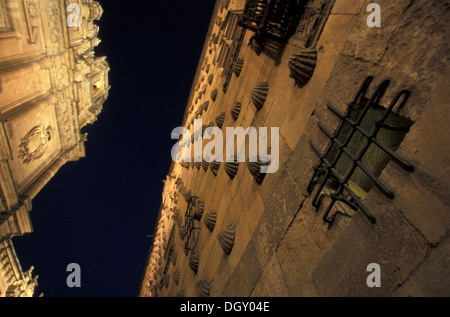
(35, 143)
(259, 94)
(236, 110)
(203, 288)
(226, 238)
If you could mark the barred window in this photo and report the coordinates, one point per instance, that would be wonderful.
(229, 35)
(364, 142)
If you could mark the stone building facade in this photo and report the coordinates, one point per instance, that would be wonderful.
(13, 281)
(51, 86)
(364, 156)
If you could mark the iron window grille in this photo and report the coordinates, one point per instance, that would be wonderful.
(234, 54)
(189, 223)
(272, 19)
(336, 183)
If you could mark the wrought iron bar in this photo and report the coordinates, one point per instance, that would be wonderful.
(327, 171)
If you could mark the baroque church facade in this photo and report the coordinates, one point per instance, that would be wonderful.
(362, 185)
(51, 86)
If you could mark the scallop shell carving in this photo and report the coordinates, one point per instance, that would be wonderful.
(210, 79)
(214, 93)
(231, 168)
(204, 106)
(259, 94)
(176, 276)
(220, 119)
(255, 170)
(226, 238)
(202, 90)
(214, 167)
(237, 66)
(302, 65)
(210, 220)
(205, 165)
(236, 110)
(203, 288)
(194, 260)
(198, 210)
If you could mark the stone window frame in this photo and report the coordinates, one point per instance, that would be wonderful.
(229, 32)
(6, 29)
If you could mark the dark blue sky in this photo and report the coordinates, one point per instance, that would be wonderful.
(97, 211)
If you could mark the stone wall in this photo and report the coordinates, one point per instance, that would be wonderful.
(282, 246)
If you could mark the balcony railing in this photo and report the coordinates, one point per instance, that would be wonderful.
(272, 19)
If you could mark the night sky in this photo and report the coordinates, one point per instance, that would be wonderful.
(98, 211)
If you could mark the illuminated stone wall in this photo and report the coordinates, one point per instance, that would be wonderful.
(254, 236)
(14, 282)
(51, 85)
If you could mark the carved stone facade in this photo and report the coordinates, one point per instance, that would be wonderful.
(363, 168)
(13, 281)
(51, 86)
